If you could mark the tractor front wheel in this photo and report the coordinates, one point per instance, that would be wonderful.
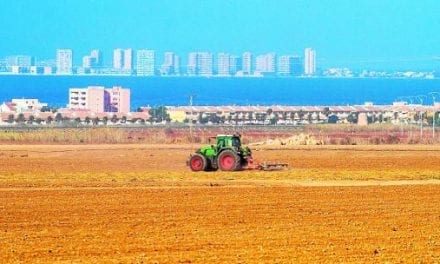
(198, 162)
(228, 160)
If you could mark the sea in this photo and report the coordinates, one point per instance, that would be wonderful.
(176, 91)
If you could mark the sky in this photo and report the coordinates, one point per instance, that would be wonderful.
(352, 33)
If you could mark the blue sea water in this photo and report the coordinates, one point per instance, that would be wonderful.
(222, 91)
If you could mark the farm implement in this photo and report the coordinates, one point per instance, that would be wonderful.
(228, 155)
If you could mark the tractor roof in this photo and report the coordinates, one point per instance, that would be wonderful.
(228, 135)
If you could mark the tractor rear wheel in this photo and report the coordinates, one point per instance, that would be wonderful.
(228, 160)
(198, 162)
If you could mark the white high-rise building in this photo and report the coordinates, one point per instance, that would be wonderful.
(128, 60)
(235, 64)
(204, 63)
(123, 59)
(176, 64)
(91, 63)
(309, 61)
(171, 64)
(223, 64)
(191, 68)
(118, 59)
(247, 63)
(20, 61)
(200, 63)
(87, 62)
(96, 56)
(64, 61)
(289, 65)
(265, 63)
(145, 62)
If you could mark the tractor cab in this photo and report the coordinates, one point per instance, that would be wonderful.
(228, 141)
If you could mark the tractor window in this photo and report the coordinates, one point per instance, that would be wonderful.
(236, 142)
(221, 143)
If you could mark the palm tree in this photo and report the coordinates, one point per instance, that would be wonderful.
(251, 116)
(292, 116)
(11, 118)
(20, 118)
(309, 117)
(58, 117)
(114, 119)
(31, 119)
(326, 111)
(301, 114)
(269, 111)
(49, 120)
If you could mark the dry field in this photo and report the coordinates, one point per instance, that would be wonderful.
(139, 203)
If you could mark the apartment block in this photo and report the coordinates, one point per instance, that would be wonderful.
(223, 64)
(145, 62)
(123, 59)
(289, 65)
(99, 99)
(64, 61)
(265, 63)
(20, 61)
(309, 61)
(235, 64)
(247, 63)
(171, 64)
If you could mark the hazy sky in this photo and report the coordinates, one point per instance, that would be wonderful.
(343, 32)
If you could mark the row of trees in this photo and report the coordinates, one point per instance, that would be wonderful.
(156, 115)
(161, 115)
(59, 118)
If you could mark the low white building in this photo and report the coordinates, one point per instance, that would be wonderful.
(22, 105)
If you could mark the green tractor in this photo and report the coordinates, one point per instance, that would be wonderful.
(227, 155)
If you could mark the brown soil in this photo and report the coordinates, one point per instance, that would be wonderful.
(126, 203)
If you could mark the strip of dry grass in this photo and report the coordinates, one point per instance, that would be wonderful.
(341, 134)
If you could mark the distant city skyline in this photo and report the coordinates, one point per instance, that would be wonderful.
(370, 34)
(147, 63)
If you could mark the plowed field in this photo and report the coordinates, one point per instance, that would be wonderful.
(125, 203)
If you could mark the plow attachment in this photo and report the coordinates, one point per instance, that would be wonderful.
(268, 166)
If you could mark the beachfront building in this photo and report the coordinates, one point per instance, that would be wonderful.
(247, 63)
(289, 65)
(285, 115)
(171, 64)
(123, 60)
(235, 65)
(223, 64)
(265, 63)
(98, 99)
(200, 64)
(204, 64)
(64, 61)
(145, 61)
(309, 61)
(22, 105)
(92, 63)
(19, 63)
